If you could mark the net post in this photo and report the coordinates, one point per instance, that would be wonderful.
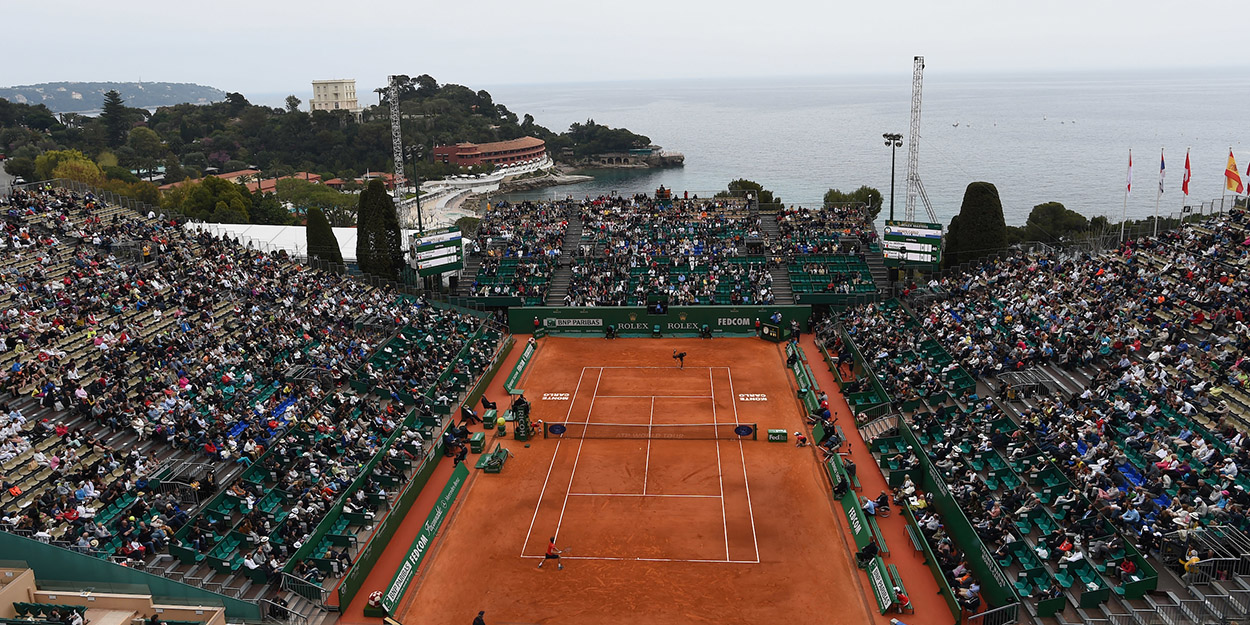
(755, 431)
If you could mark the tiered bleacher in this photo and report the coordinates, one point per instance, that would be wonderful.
(636, 250)
(1117, 426)
(136, 354)
(520, 246)
(644, 249)
(824, 249)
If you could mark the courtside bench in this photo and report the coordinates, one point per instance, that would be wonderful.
(876, 531)
(492, 462)
(916, 540)
(898, 581)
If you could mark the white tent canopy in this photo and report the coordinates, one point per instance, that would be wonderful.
(289, 238)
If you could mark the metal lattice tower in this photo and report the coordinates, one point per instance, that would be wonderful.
(397, 141)
(914, 186)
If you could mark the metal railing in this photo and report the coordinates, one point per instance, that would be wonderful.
(274, 613)
(306, 589)
(1004, 615)
(874, 428)
(1212, 570)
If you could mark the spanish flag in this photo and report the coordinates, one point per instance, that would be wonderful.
(1232, 179)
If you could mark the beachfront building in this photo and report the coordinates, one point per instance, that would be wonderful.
(497, 153)
(335, 95)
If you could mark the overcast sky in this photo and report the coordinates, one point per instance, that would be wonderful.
(270, 46)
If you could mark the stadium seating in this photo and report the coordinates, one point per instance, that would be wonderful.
(149, 363)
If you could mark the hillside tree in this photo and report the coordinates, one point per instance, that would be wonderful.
(379, 247)
(979, 229)
(864, 195)
(322, 244)
(116, 119)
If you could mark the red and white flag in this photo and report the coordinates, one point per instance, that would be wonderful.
(1128, 185)
(1185, 181)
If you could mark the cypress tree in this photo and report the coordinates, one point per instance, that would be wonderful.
(979, 229)
(114, 115)
(322, 244)
(379, 248)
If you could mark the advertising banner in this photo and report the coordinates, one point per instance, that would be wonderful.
(399, 584)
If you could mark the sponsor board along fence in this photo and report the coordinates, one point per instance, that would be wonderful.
(678, 320)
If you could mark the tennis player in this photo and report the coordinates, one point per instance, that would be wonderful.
(680, 357)
(552, 554)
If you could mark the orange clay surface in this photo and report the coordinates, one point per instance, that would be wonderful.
(654, 530)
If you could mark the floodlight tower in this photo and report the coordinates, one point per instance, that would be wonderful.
(914, 186)
(397, 144)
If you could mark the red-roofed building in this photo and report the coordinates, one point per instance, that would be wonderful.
(270, 185)
(497, 153)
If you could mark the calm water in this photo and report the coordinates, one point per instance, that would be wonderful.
(1039, 138)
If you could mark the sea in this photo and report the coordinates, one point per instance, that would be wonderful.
(1038, 137)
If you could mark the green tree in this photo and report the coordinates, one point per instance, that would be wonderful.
(742, 187)
(268, 209)
(116, 118)
(173, 170)
(292, 104)
(338, 208)
(1051, 222)
(468, 225)
(322, 244)
(148, 147)
(229, 212)
(866, 195)
(46, 163)
(379, 249)
(211, 199)
(81, 169)
(115, 172)
(21, 167)
(979, 229)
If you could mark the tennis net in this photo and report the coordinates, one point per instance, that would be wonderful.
(674, 431)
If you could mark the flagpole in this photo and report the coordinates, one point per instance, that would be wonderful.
(1127, 187)
(1185, 186)
(1224, 189)
(1160, 194)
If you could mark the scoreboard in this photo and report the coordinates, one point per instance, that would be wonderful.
(912, 244)
(436, 252)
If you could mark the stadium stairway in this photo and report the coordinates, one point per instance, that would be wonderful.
(471, 266)
(783, 291)
(559, 285)
(922, 589)
(880, 275)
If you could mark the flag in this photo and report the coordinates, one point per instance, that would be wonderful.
(1185, 181)
(1232, 180)
(1129, 184)
(1161, 172)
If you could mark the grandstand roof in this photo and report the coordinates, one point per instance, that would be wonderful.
(290, 238)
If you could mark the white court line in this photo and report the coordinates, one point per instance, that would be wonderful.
(724, 520)
(654, 396)
(646, 468)
(742, 454)
(619, 559)
(552, 465)
(643, 495)
(655, 368)
(578, 457)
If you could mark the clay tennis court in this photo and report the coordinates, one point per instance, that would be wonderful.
(662, 520)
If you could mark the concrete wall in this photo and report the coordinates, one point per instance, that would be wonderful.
(19, 585)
